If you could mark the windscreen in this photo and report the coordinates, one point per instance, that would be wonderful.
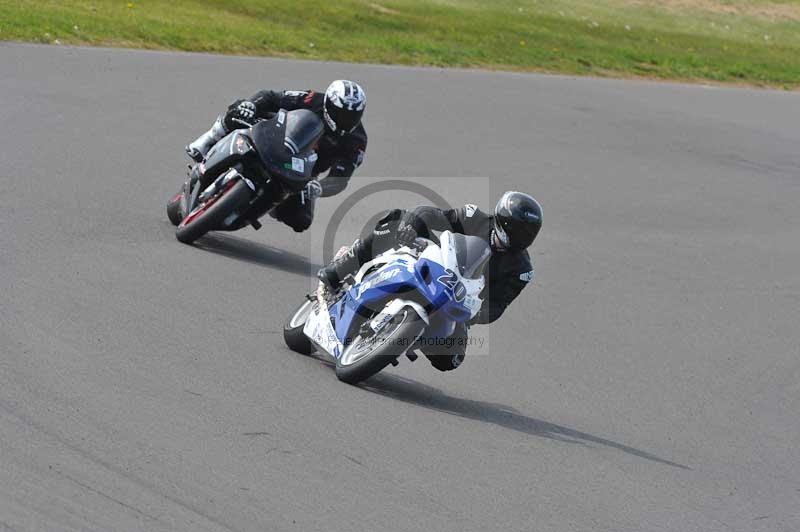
(472, 255)
(303, 130)
(285, 144)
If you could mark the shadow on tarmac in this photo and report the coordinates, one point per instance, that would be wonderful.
(422, 395)
(257, 253)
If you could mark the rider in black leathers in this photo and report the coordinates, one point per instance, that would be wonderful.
(509, 231)
(340, 151)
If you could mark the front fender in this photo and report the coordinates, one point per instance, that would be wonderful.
(392, 309)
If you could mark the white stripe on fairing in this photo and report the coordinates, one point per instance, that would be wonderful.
(289, 143)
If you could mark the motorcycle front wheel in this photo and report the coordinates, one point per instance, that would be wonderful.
(367, 355)
(210, 215)
(174, 209)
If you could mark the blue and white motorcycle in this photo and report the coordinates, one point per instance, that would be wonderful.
(401, 299)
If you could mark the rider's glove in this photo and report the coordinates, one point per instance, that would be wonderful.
(312, 191)
(406, 234)
(246, 110)
(240, 114)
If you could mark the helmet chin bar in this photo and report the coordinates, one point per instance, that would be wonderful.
(500, 238)
(328, 120)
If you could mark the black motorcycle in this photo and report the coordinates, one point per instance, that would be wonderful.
(246, 174)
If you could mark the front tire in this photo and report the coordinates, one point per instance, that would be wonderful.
(293, 334)
(174, 209)
(364, 357)
(210, 215)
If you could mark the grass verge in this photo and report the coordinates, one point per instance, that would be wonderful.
(744, 41)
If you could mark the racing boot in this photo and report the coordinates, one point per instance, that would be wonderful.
(198, 149)
(346, 262)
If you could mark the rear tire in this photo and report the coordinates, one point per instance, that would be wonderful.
(212, 213)
(364, 357)
(293, 334)
(174, 209)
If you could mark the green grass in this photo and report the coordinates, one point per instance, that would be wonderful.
(743, 41)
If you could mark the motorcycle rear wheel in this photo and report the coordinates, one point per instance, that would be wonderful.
(293, 334)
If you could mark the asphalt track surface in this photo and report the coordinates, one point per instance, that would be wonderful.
(649, 380)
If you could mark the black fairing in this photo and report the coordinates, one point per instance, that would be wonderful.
(286, 145)
(225, 154)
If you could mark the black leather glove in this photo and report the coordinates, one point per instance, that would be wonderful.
(312, 191)
(246, 110)
(405, 235)
(241, 113)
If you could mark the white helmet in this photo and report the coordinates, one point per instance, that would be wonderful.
(344, 104)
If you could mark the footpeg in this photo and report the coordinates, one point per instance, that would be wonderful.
(256, 224)
(395, 362)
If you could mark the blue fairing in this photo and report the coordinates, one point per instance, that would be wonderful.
(410, 279)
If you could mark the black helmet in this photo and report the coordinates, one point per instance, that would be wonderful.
(344, 104)
(517, 220)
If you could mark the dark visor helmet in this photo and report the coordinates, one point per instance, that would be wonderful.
(517, 220)
(344, 105)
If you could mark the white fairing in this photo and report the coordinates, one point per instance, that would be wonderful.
(433, 253)
(473, 301)
(318, 329)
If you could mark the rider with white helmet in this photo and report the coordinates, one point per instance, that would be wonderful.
(340, 151)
